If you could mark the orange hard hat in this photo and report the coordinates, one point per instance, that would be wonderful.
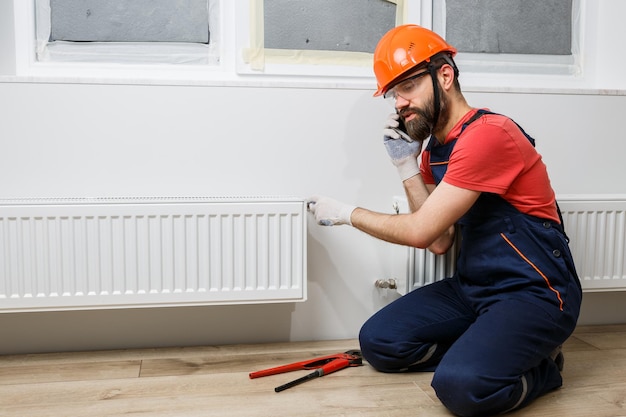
(402, 49)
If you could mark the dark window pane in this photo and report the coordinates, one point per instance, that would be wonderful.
(510, 26)
(130, 20)
(327, 25)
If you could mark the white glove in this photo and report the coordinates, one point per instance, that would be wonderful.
(329, 212)
(402, 151)
(393, 129)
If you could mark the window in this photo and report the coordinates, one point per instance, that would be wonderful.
(512, 36)
(323, 37)
(127, 32)
(310, 43)
(326, 25)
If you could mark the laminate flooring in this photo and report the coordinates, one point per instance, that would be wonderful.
(213, 381)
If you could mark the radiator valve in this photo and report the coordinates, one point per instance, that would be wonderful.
(389, 283)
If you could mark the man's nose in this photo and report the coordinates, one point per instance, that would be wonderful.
(401, 103)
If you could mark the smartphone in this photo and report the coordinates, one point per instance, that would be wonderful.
(401, 129)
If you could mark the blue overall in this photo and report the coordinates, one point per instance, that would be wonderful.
(489, 330)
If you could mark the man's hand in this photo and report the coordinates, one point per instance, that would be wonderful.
(394, 130)
(329, 212)
(403, 153)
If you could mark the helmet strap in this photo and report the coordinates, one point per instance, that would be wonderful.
(433, 76)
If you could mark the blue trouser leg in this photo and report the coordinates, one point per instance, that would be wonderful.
(487, 332)
(413, 332)
(484, 364)
(502, 361)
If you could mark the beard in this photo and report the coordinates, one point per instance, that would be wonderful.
(423, 125)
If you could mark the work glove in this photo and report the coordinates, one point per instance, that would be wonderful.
(329, 212)
(402, 150)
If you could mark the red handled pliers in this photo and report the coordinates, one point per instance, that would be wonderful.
(323, 365)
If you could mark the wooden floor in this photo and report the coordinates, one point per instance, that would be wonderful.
(213, 381)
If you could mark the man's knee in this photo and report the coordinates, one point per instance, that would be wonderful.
(386, 354)
(455, 391)
(467, 394)
(377, 352)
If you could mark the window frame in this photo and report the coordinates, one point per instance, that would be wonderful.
(256, 59)
(28, 65)
(140, 53)
(526, 64)
(232, 70)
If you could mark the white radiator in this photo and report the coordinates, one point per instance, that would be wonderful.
(60, 254)
(596, 226)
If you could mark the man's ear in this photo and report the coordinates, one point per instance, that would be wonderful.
(446, 76)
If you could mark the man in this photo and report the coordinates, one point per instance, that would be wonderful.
(492, 332)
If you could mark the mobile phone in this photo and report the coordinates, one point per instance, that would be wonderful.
(401, 129)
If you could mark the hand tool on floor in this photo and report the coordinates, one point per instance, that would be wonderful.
(323, 365)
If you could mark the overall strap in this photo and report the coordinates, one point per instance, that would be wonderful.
(475, 117)
(479, 113)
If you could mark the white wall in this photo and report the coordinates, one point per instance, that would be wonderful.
(84, 140)
(108, 140)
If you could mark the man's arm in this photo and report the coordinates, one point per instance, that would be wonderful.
(434, 210)
(430, 225)
(417, 192)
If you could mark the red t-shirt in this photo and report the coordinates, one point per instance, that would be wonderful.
(493, 155)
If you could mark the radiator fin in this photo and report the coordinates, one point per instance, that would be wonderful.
(597, 231)
(66, 254)
(596, 226)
